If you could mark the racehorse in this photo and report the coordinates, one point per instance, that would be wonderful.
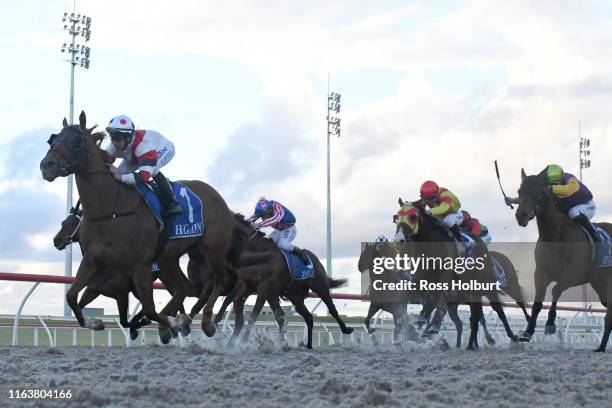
(563, 254)
(394, 303)
(119, 231)
(263, 270)
(427, 238)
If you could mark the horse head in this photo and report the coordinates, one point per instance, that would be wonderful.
(533, 195)
(69, 232)
(407, 221)
(68, 152)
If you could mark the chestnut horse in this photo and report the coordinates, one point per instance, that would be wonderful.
(119, 231)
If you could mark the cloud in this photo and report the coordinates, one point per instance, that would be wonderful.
(20, 156)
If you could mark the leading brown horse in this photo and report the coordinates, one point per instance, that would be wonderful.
(119, 231)
(563, 254)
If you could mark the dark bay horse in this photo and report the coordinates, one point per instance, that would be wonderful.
(563, 254)
(264, 272)
(120, 232)
(427, 239)
(396, 303)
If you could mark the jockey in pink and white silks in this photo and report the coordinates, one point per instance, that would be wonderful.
(144, 153)
(278, 217)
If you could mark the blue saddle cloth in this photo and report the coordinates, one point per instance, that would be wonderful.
(189, 223)
(297, 268)
(470, 245)
(603, 252)
(500, 274)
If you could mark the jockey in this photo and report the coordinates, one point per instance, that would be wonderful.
(278, 217)
(381, 239)
(443, 205)
(572, 198)
(144, 153)
(474, 227)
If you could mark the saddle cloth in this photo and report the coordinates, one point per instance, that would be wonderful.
(297, 268)
(189, 223)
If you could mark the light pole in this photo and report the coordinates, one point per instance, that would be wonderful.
(333, 128)
(77, 25)
(584, 144)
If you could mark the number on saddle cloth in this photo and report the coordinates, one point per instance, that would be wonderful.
(190, 223)
(297, 268)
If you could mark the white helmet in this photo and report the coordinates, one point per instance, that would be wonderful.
(121, 125)
(381, 238)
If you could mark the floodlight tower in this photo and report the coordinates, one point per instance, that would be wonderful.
(584, 144)
(78, 26)
(333, 128)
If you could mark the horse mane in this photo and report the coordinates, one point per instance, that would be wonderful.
(241, 220)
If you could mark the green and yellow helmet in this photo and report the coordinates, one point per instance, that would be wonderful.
(555, 173)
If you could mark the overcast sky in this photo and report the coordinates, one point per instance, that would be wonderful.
(430, 90)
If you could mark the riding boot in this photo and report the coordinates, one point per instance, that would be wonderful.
(167, 194)
(301, 254)
(584, 221)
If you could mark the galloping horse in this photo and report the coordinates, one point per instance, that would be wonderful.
(427, 238)
(563, 254)
(263, 270)
(119, 231)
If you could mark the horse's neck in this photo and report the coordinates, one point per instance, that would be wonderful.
(98, 192)
(551, 222)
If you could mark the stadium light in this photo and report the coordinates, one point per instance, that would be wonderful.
(77, 26)
(333, 128)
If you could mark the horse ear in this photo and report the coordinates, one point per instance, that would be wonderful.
(523, 175)
(65, 123)
(82, 121)
(400, 201)
(544, 173)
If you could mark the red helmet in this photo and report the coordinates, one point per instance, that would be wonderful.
(429, 190)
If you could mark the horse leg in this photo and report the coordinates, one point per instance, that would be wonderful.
(550, 327)
(608, 319)
(259, 303)
(86, 271)
(226, 302)
(301, 308)
(88, 296)
(475, 312)
(523, 307)
(483, 322)
(202, 298)
(428, 308)
(279, 315)
(433, 327)
(122, 307)
(327, 299)
(218, 269)
(535, 309)
(143, 283)
(454, 316)
(368, 320)
(240, 297)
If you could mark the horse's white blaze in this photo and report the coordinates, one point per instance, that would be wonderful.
(399, 235)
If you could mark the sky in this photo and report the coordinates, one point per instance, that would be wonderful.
(430, 90)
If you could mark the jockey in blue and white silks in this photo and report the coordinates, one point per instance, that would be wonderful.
(278, 217)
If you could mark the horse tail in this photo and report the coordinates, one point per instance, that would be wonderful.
(514, 289)
(337, 283)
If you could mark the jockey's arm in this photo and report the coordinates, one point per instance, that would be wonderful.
(109, 154)
(146, 165)
(442, 208)
(566, 190)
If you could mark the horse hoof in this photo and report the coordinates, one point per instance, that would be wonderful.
(209, 329)
(182, 320)
(491, 340)
(525, 337)
(550, 329)
(347, 330)
(133, 333)
(165, 336)
(513, 339)
(174, 333)
(95, 324)
(599, 350)
(472, 348)
(185, 331)
(371, 330)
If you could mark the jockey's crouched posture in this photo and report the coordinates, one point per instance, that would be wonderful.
(475, 227)
(443, 205)
(572, 198)
(277, 216)
(144, 153)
